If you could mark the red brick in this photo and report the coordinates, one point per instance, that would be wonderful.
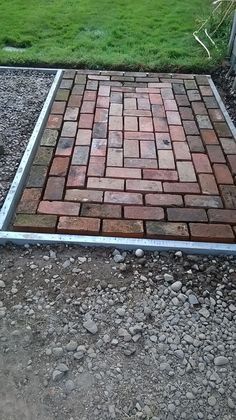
(80, 155)
(100, 130)
(84, 196)
(158, 111)
(173, 117)
(140, 163)
(58, 107)
(88, 107)
(216, 115)
(59, 208)
(181, 151)
(115, 139)
(164, 200)
(130, 103)
(104, 90)
(143, 213)
(170, 105)
(137, 113)
(71, 114)
(90, 95)
(116, 97)
(181, 187)
(135, 135)
(29, 200)
(199, 108)
(75, 101)
(182, 100)
(143, 103)
(83, 137)
(160, 174)
(193, 95)
(101, 115)
(211, 233)
(64, 147)
(131, 123)
(186, 172)
(105, 184)
(78, 89)
(186, 215)
(49, 138)
(167, 230)
(160, 124)
(143, 186)
(116, 109)
(102, 211)
(114, 157)
(222, 174)
(190, 127)
(145, 124)
(228, 193)
(66, 83)
(131, 148)
(115, 123)
(99, 147)
(86, 121)
(208, 184)
(222, 216)
(43, 156)
(123, 198)
(215, 154)
(69, 129)
(126, 228)
(54, 121)
(78, 225)
(148, 149)
(59, 166)
(222, 129)
(37, 176)
(54, 189)
(203, 201)
(166, 159)
(209, 137)
(76, 177)
(206, 90)
(177, 133)
(163, 141)
(186, 113)
(232, 164)
(229, 146)
(62, 95)
(35, 223)
(155, 98)
(123, 172)
(103, 102)
(96, 166)
(201, 163)
(167, 93)
(195, 144)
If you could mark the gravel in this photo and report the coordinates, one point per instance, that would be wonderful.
(22, 95)
(224, 85)
(150, 338)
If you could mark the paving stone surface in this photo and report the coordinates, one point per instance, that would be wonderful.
(133, 155)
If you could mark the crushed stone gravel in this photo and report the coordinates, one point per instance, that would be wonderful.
(83, 337)
(22, 95)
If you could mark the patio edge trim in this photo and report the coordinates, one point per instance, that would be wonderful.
(21, 238)
(15, 190)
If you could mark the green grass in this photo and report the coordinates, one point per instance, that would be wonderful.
(118, 34)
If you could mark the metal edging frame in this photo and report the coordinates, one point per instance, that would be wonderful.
(27, 159)
(20, 238)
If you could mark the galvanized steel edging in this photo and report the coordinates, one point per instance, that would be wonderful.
(14, 193)
(26, 161)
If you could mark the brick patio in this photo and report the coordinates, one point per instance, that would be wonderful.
(133, 155)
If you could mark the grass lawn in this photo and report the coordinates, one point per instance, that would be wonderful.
(118, 34)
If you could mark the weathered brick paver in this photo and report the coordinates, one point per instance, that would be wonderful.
(133, 155)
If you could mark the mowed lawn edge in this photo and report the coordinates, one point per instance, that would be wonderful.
(125, 34)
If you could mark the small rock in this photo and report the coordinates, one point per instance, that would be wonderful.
(193, 300)
(118, 258)
(204, 312)
(57, 375)
(69, 386)
(90, 326)
(120, 311)
(72, 345)
(212, 401)
(176, 286)
(221, 361)
(139, 253)
(168, 277)
(2, 284)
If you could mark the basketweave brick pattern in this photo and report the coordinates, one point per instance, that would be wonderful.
(133, 155)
